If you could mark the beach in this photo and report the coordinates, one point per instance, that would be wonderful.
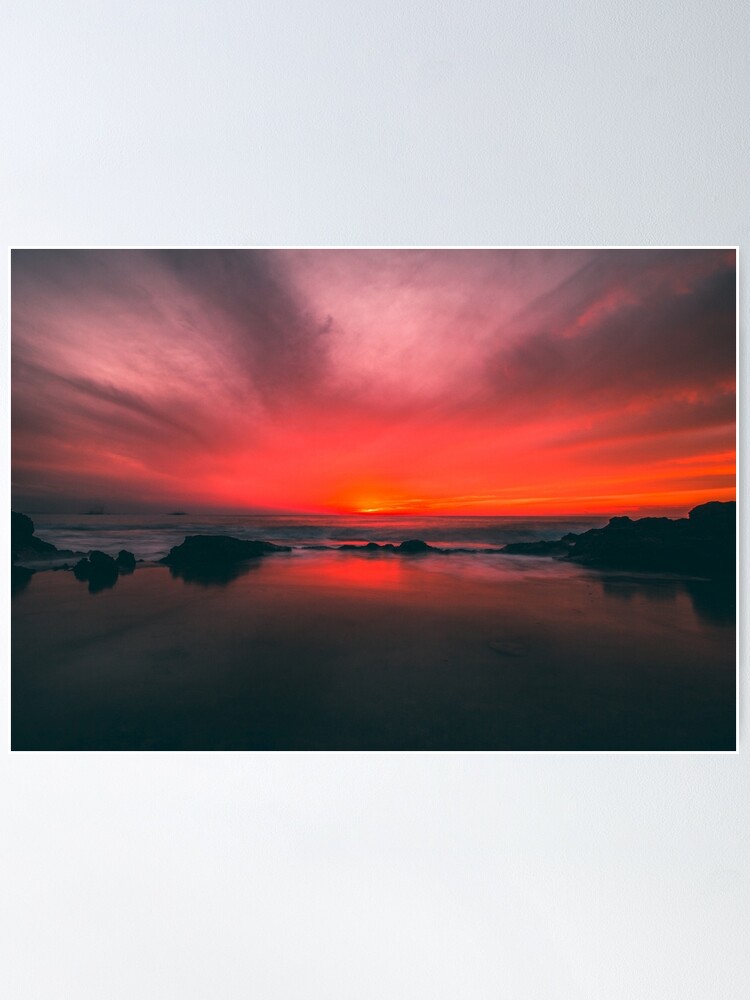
(332, 650)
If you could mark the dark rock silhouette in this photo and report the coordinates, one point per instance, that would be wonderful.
(23, 542)
(21, 527)
(125, 561)
(559, 548)
(414, 545)
(26, 547)
(368, 547)
(405, 548)
(100, 559)
(100, 570)
(703, 544)
(82, 569)
(714, 516)
(20, 577)
(215, 558)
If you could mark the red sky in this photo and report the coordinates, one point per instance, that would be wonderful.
(458, 381)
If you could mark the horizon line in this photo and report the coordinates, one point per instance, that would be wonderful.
(612, 512)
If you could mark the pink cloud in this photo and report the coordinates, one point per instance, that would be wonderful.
(308, 379)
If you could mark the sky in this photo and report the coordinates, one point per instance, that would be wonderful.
(417, 381)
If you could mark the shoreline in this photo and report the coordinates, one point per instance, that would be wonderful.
(702, 544)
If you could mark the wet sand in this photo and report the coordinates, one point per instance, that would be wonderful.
(344, 651)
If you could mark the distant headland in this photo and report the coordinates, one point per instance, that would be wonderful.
(701, 544)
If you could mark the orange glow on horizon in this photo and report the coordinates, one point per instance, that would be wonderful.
(678, 501)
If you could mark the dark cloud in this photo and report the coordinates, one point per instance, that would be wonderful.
(234, 305)
(65, 396)
(279, 345)
(662, 417)
(654, 336)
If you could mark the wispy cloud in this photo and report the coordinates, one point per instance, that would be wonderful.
(306, 379)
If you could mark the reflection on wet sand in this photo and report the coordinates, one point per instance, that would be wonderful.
(212, 576)
(355, 651)
(20, 578)
(714, 601)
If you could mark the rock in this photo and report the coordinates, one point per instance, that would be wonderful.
(81, 569)
(125, 561)
(620, 522)
(405, 548)
(414, 545)
(101, 561)
(99, 569)
(714, 516)
(23, 542)
(27, 548)
(702, 544)
(367, 547)
(19, 578)
(21, 527)
(211, 556)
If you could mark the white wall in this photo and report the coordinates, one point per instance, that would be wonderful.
(171, 877)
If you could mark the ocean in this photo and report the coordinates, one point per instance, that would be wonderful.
(150, 537)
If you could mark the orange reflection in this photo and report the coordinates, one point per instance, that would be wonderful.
(361, 572)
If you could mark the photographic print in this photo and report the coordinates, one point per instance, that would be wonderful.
(373, 499)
